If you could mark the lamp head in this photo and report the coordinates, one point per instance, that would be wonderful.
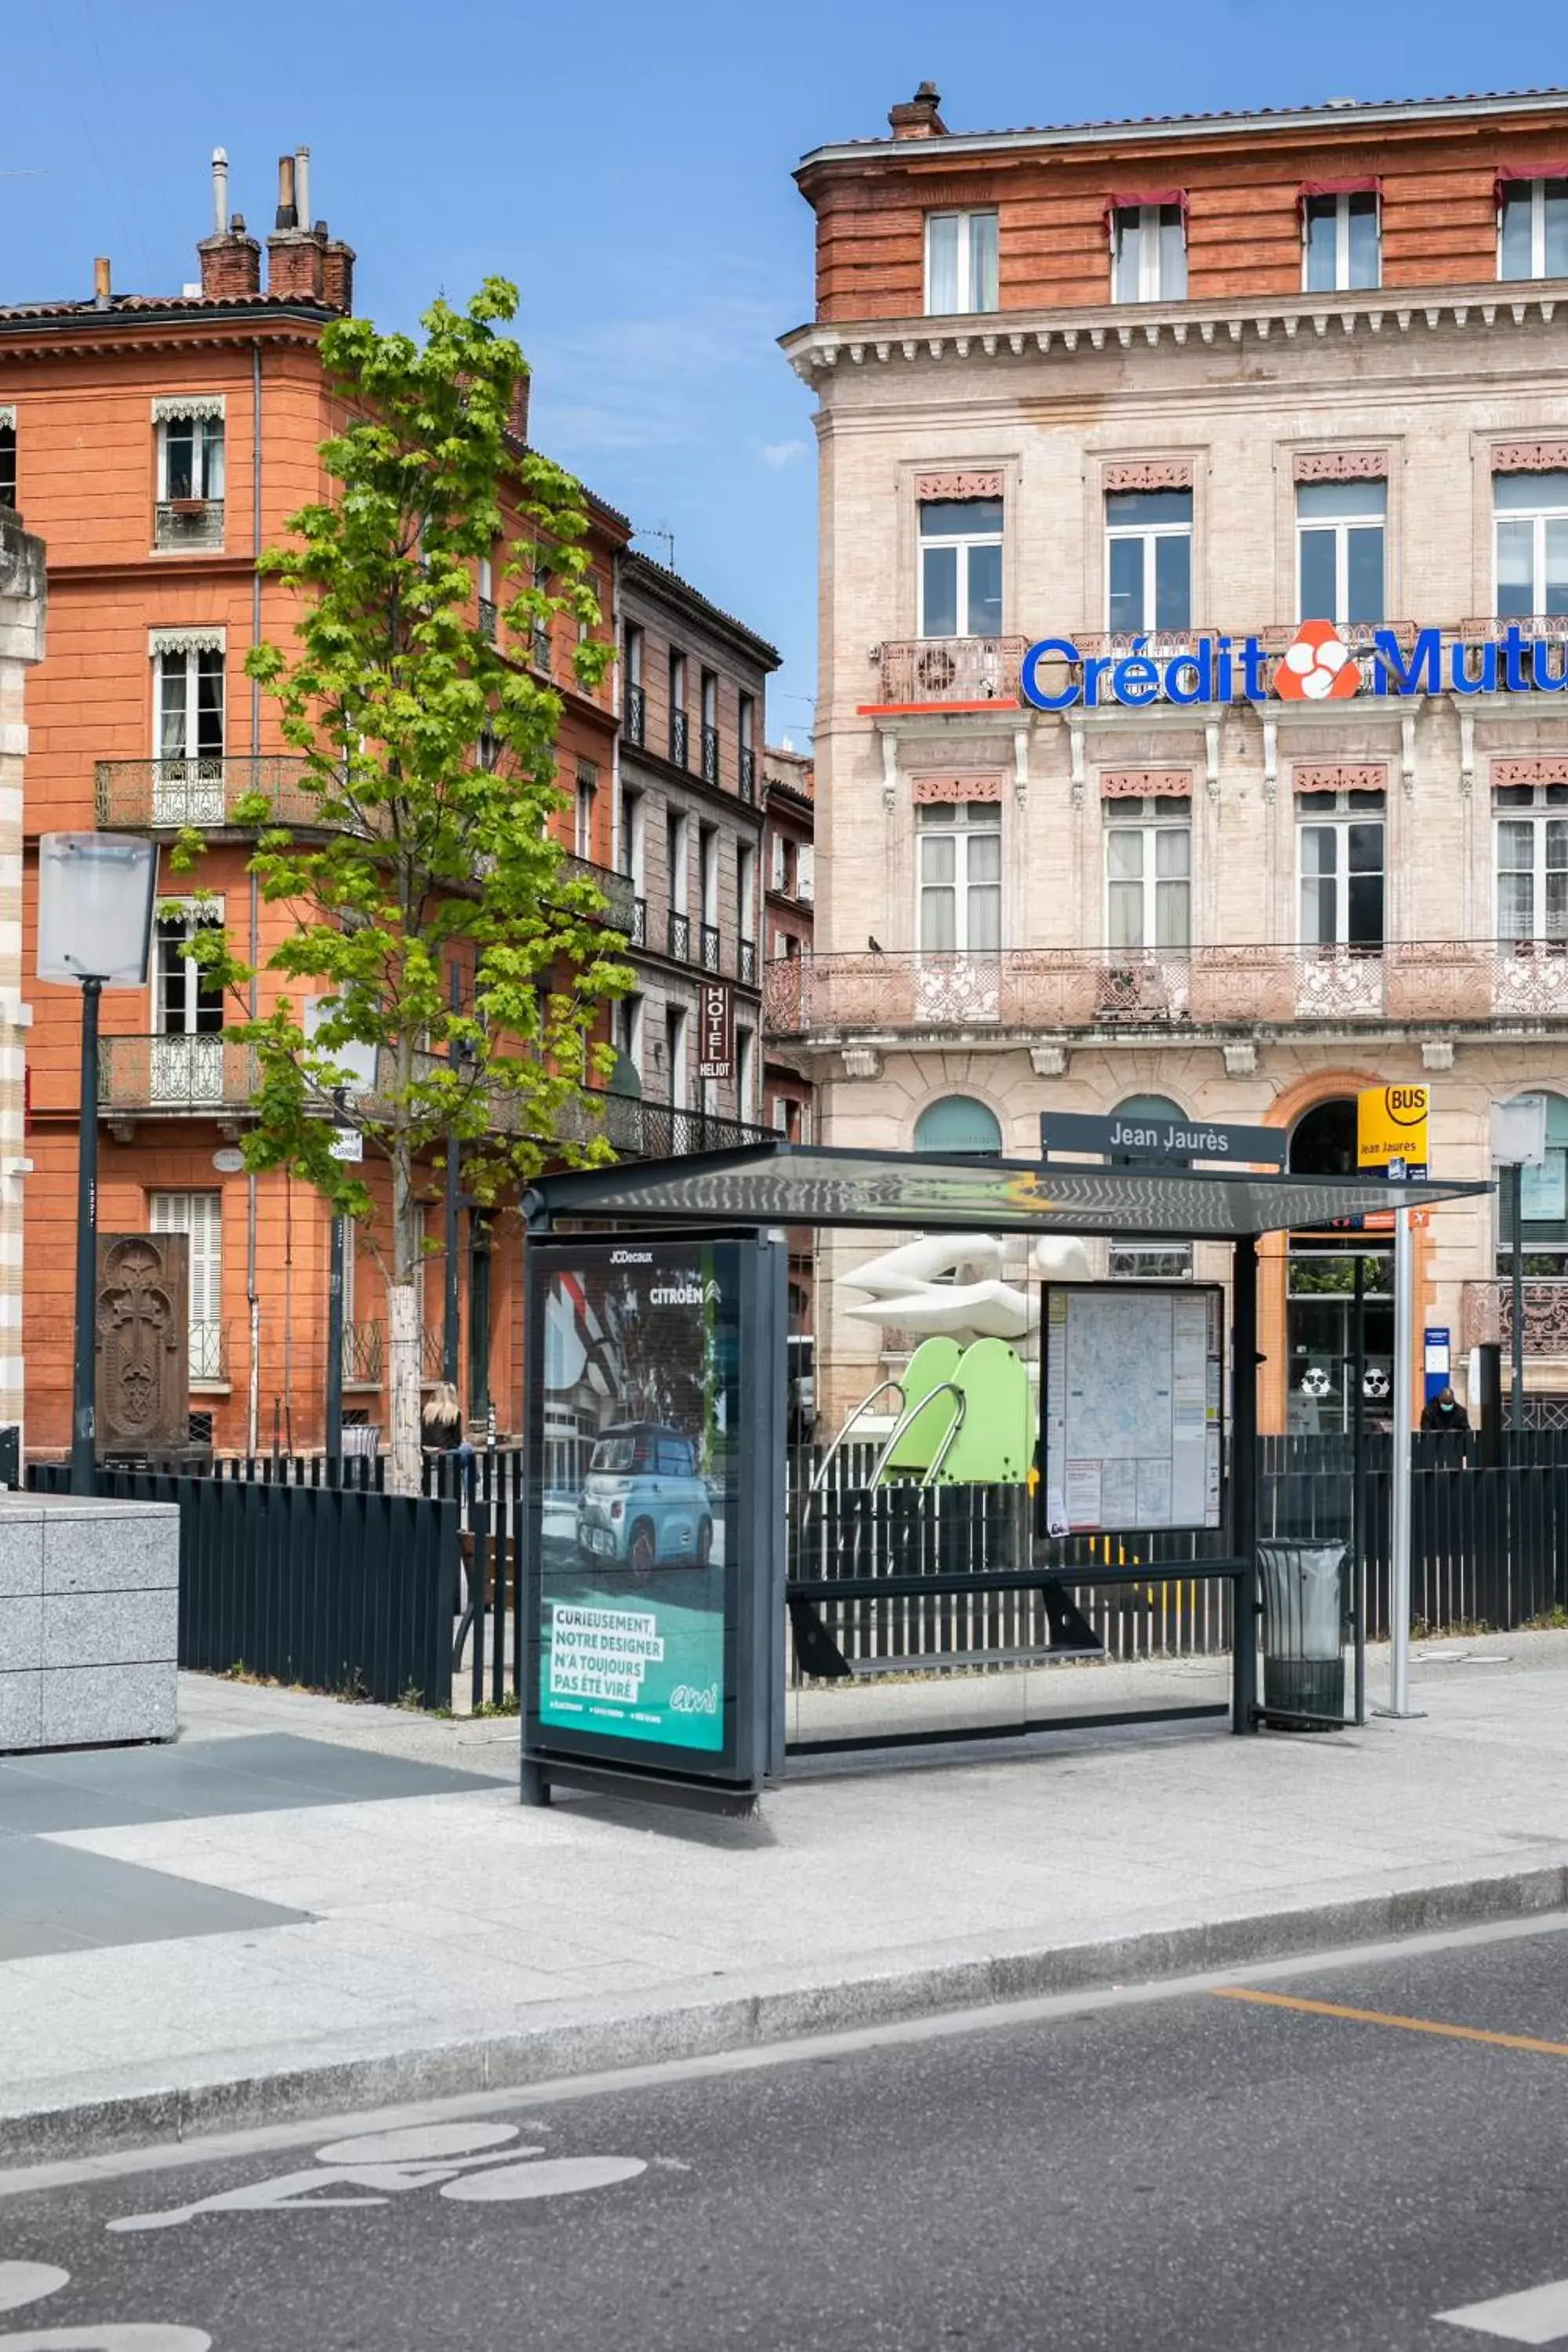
(95, 908)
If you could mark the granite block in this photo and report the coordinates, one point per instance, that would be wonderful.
(21, 1556)
(22, 1634)
(21, 1710)
(87, 1705)
(100, 1629)
(137, 1548)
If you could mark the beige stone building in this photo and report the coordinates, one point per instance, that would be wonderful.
(21, 645)
(1158, 389)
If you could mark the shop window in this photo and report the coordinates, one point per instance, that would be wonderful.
(959, 1128)
(1543, 1206)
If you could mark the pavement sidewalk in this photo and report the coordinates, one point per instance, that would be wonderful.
(446, 1941)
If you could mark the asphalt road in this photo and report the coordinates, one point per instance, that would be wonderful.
(1189, 2172)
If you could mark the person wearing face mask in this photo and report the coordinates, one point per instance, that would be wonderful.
(1443, 1412)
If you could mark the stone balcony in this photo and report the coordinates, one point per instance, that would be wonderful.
(1084, 992)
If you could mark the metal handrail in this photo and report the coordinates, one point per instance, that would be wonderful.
(907, 1421)
(823, 1467)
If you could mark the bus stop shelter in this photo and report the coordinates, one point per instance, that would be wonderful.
(754, 1195)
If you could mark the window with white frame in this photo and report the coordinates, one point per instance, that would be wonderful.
(190, 458)
(806, 872)
(1530, 520)
(1148, 253)
(961, 262)
(199, 1216)
(186, 1002)
(745, 1070)
(1149, 872)
(960, 846)
(582, 813)
(1149, 559)
(1532, 864)
(1339, 532)
(1340, 242)
(188, 691)
(1532, 228)
(960, 568)
(778, 863)
(1340, 841)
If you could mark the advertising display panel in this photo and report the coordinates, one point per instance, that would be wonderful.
(654, 1599)
(1130, 1407)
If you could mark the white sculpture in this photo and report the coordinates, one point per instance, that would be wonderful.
(952, 1283)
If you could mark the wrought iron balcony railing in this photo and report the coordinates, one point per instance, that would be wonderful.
(617, 889)
(187, 522)
(746, 963)
(1485, 1312)
(710, 755)
(365, 1355)
(168, 795)
(678, 735)
(487, 619)
(680, 937)
(649, 1130)
(953, 669)
(208, 1351)
(637, 936)
(175, 1076)
(709, 939)
(637, 715)
(1059, 990)
(748, 774)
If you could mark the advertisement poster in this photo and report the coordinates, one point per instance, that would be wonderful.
(639, 1484)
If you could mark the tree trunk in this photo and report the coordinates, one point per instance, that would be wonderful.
(404, 1297)
(403, 1320)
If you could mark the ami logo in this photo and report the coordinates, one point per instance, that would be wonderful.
(1317, 667)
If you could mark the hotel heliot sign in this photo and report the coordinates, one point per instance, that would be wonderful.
(1316, 667)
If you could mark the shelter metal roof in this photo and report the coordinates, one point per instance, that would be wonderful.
(808, 1184)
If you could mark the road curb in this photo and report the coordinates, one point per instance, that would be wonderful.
(603, 2044)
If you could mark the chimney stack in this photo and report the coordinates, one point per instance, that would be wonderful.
(101, 297)
(295, 253)
(337, 272)
(231, 264)
(220, 193)
(921, 117)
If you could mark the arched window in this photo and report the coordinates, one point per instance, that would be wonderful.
(1543, 1204)
(1320, 1334)
(1147, 1261)
(960, 1127)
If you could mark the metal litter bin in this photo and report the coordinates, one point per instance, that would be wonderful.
(1303, 1640)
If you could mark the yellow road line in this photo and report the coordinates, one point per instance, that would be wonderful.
(1383, 2017)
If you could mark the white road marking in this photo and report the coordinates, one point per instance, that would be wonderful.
(23, 2283)
(560, 2176)
(1538, 2315)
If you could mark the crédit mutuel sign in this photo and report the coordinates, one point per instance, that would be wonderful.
(1317, 666)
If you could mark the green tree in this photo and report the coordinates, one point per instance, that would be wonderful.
(422, 835)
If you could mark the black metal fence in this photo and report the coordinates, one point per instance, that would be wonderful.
(340, 1588)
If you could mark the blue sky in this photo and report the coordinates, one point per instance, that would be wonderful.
(630, 168)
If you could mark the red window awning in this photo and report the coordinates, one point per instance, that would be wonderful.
(1370, 185)
(1509, 174)
(1131, 200)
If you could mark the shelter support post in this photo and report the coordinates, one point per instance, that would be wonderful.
(1243, 1482)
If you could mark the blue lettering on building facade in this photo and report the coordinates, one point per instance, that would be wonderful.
(1216, 669)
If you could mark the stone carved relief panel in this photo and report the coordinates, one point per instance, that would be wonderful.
(143, 1341)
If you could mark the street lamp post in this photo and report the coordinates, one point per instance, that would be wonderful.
(95, 931)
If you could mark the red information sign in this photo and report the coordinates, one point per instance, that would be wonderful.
(716, 1056)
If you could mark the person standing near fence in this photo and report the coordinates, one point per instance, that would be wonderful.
(1443, 1412)
(441, 1431)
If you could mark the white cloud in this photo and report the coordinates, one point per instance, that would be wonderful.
(781, 452)
(655, 381)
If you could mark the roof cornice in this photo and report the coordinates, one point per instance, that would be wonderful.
(1187, 129)
(1144, 326)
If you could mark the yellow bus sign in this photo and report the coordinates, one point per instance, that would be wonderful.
(1391, 1124)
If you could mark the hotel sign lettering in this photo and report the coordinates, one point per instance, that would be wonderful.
(1316, 667)
(717, 1058)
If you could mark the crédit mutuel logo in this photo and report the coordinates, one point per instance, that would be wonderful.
(1316, 667)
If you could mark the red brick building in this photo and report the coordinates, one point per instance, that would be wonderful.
(159, 442)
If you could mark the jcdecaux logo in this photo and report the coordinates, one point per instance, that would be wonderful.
(1316, 667)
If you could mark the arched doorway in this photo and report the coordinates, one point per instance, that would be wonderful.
(1147, 1261)
(1320, 1311)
